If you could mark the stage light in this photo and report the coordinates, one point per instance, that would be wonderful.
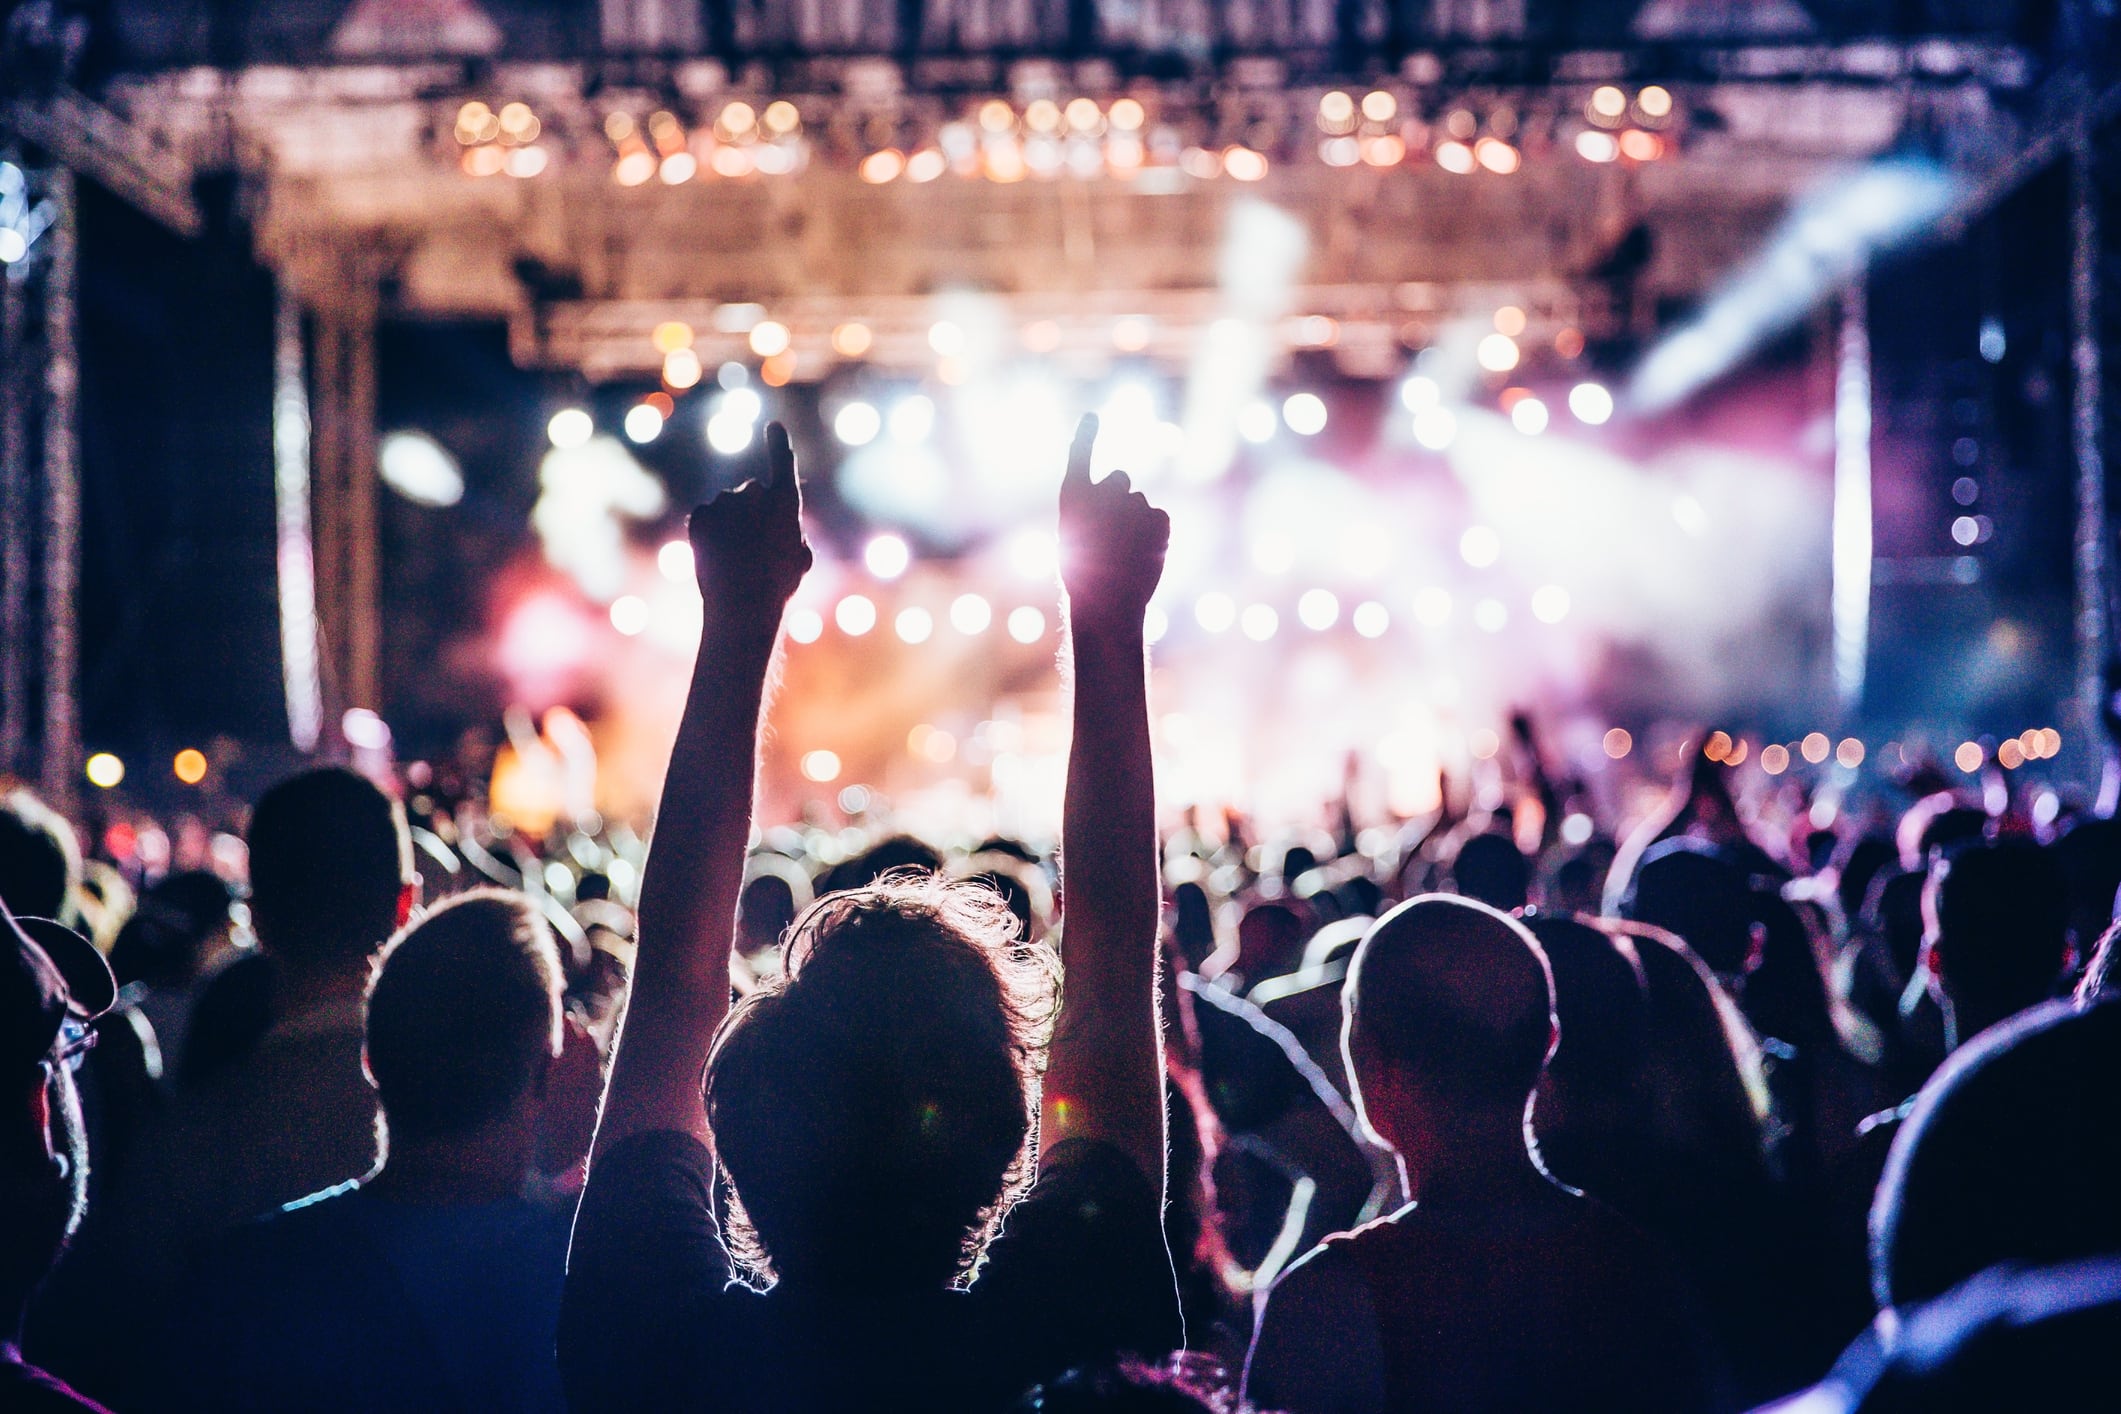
(1814, 747)
(1480, 546)
(1577, 828)
(1420, 391)
(671, 335)
(1497, 353)
(912, 419)
(734, 161)
(1774, 758)
(857, 423)
(2011, 754)
(887, 556)
(675, 561)
(946, 338)
(728, 434)
(1379, 106)
(1455, 157)
(1318, 610)
(13, 245)
(1243, 164)
(104, 770)
(1849, 753)
(1128, 114)
(1033, 554)
(1371, 619)
(1483, 743)
(1654, 102)
(1132, 334)
(855, 614)
(926, 165)
(1529, 416)
(629, 614)
(1717, 747)
(1969, 756)
(913, 625)
(678, 168)
(1259, 622)
(1388, 150)
(476, 123)
(1491, 615)
(1256, 422)
(737, 119)
(1607, 106)
(805, 625)
(1591, 404)
(851, 340)
(681, 369)
(1155, 624)
(2050, 742)
(1689, 515)
(643, 423)
(769, 337)
(1215, 611)
(1027, 624)
(1510, 320)
(418, 468)
(1595, 146)
(1497, 156)
(189, 766)
(1432, 605)
(970, 614)
(364, 730)
(1305, 414)
(1550, 603)
(1639, 146)
(634, 167)
(1335, 111)
(570, 428)
(1042, 115)
(1435, 428)
(1618, 743)
(821, 766)
(1966, 530)
(524, 162)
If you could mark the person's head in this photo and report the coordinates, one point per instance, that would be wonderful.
(1193, 923)
(2011, 1154)
(464, 1019)
(1995, 929)
(330, 868)
(871, 1107)
(173, 930)
(1447, 1015)
(53, 986)
(1573, 880)
(1686, 887)
(1591, 1110)
(1270, 941)
(40, 860)
(1491, 868)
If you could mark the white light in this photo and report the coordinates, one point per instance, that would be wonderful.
(1529, 416)
(1491, 614)
(1497, 353)
(675, 561)
(1966, 530)
(946, 338)
(1550, 603)
(855, 614)
(1318, 610)
(857, 424)
(1435, 428)
(570, 427)
(1259, 622)
(1420, 392)
(1371, 619)
(1432, 605)
(1155, 624)
(1257, 422)
(1215, 611)
(1480, 546)
(418, 468)
(365, 730)
(728, 435)
(1033, 554)
(1691, 517)
(821, 766)
(1305, 413)
(643, 423)
(1591, 403)
(741, 403)
(13, 245)
(1026, 624)
(1577, 829)
(629, 614)
(887, 556)
(914, 625)
(805, 625)
(770, 338)
(970, 614)
(912, 419)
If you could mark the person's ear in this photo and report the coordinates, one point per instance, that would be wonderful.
(408, 895)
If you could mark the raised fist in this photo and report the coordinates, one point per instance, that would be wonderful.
(1112, 541)
(748, 549)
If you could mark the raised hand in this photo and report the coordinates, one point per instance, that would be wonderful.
(1112, 540)
(748, 550)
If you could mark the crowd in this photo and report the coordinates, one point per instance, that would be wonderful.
(1716, 1111)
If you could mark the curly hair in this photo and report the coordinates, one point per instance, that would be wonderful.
(876, 1107)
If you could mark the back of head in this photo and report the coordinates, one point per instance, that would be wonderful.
(2011, 1155)
(894, 852)
(463, 1015)
(1685, 887)
(163, 943)
(1270, 941)
(1457, 997)
(1491, 868)
(871, 1107)
(40, 860)
(329, 861)
(2002, 916)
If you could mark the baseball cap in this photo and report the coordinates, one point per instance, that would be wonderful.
(48, 975)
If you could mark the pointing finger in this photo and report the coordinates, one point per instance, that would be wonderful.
(1079, 453)
(780, 481)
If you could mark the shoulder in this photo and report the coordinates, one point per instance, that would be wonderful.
(26, 1388)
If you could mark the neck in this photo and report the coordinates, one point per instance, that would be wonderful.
(1472, 1159)
(484, 1166)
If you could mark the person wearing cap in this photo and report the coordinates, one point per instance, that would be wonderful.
(53, 987)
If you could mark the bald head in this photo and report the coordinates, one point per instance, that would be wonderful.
(1456, 996)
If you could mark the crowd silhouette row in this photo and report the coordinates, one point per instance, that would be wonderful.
(1707, 1111)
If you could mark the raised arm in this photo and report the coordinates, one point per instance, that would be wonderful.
(749, 554)
(1105, 1077)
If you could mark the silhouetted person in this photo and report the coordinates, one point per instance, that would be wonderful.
(53, 986)
(40, 859)
(1496, 1287)
(1996, 933)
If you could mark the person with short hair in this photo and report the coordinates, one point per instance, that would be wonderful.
(40, 860)
(1497, 1287)
(434, 1282)
(53, 987)
(1995, 933)
(873, 1116)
